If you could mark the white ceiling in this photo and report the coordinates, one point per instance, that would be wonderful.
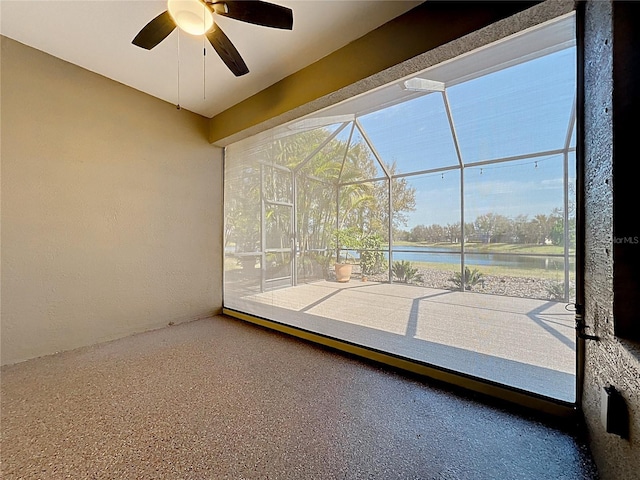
(97, 34)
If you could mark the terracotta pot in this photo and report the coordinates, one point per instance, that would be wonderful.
(343, 272)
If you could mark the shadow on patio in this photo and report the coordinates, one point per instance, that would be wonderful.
(523, 343)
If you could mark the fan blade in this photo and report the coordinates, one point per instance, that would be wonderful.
(155, 31)
(228, 53)
(256, 12)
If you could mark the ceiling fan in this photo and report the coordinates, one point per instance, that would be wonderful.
(197, 17)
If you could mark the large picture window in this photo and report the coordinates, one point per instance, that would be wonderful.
(432, 218)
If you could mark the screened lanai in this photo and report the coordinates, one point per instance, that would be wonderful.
(448, 195)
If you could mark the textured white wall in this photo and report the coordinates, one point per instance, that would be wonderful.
(111, 209)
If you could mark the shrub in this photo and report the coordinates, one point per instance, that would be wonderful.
(555, 291)
(349, 240)
(471, 278)
(372, 262)
(403, 271)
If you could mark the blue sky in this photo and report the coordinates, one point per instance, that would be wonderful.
(519, 110)
(518, 188)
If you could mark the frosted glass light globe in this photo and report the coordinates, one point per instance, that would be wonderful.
(191, 16)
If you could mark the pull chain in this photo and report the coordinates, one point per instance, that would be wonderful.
(178, 54)
(204, 56)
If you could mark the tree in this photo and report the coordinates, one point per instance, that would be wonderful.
(337, 172)
(242, 222)
(492, 227)
(556, 235)
(452, 232)
(418, 234)
(366, 204)
(541, 227)
(557, 232)
(516, 229)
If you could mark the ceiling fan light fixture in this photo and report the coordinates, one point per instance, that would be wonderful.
(196, 17)
(191, 16)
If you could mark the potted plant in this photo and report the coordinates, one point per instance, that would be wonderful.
(346, 240)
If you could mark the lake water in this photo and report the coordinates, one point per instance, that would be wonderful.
(445, 255)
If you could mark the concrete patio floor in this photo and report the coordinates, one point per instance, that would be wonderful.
(524, 343)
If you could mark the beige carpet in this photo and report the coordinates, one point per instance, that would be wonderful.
(218, 399)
